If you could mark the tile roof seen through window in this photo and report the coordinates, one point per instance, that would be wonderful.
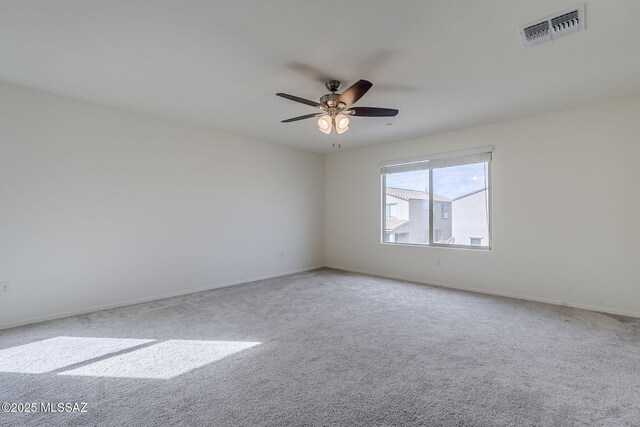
(406, 194)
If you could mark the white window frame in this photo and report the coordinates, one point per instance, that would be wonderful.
(439, 160)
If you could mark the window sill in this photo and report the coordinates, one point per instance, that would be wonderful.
(462, 247)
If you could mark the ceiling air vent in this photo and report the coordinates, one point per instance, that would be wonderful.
(550, 28)
(536, 34)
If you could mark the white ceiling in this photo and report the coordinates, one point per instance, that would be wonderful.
(443, 64)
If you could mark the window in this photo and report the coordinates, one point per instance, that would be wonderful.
(444, 211)
(439, 200)
(407, 221)
(391, 209)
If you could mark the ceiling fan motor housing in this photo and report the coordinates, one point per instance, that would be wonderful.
(332, 85)
(331, 101)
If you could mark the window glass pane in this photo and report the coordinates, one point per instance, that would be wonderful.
(407, 207)
(464, 196)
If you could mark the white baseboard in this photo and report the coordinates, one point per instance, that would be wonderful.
(148, 299)
(490, 292)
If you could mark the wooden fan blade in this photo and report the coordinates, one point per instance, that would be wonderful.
(298, 99)
(354, 92)
(373, 112)
(307, 116)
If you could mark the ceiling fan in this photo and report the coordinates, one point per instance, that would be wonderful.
(337, 107)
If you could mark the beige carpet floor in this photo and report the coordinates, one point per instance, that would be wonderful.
(326, 348)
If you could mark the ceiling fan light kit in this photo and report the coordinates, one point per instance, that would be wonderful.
(341, 123)
(336, 107)
(325, 124)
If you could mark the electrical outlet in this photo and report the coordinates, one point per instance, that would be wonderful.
(4, 287)
(438, 261)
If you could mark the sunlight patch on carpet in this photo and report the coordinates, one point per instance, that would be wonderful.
(164, 360)
(59, 352)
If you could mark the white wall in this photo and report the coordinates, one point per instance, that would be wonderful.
(100, 206)
(559, 180)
